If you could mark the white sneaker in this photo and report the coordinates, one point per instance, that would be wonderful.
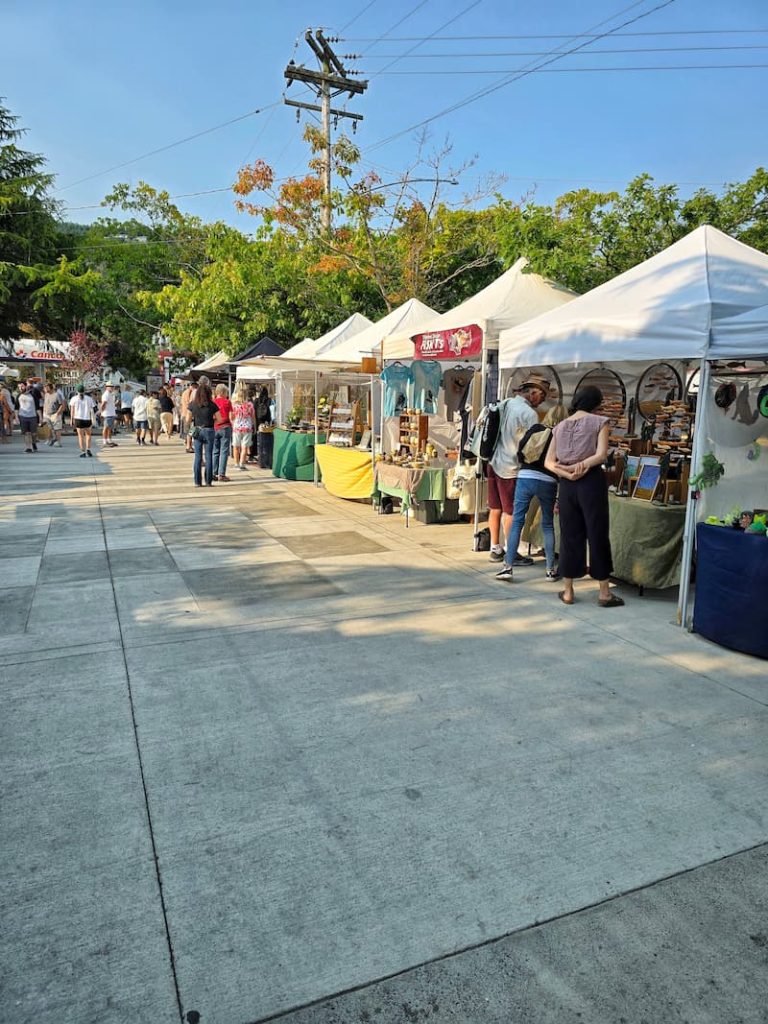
(57, 444)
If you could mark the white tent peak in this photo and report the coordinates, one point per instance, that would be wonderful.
(409, 316)
(309, 348)
(514, 297)
(219, 359)
(668, 307)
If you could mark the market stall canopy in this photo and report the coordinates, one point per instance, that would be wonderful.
(269, 367)
(265, 346)
(511, 299)
(309, 348)
(669, 307)
(408, 317)
(745, 335)
(215, 362)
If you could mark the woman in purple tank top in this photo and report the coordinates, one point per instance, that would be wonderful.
(578, 450)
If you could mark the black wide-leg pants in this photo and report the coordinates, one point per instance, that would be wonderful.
(584, 520)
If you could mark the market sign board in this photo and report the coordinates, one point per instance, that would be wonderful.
(457, 343)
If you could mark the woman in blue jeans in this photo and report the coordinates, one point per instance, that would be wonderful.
(535, 481)
(203, 414)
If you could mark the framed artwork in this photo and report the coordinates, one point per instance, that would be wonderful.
(647, 482)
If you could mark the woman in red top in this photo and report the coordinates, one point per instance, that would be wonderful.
(222, 441)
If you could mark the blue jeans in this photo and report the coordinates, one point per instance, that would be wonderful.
(526, 490)
(204, 440)
(222, 442)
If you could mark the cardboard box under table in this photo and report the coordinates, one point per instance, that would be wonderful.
(347, 472)
(293, 456)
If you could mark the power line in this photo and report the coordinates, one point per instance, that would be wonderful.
(171, 145)
(545, 53)
(456, 17)
(480, 94)
(575, 71)
(397, 24)
(359, 14)
(573, 35)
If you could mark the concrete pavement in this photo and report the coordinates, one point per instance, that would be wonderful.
(261, 747)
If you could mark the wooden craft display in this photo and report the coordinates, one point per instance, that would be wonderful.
(413, 432)
(345, 426)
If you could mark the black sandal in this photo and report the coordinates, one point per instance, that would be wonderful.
(612, 602)
(561, 595)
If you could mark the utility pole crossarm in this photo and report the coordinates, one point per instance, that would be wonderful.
(330, 80)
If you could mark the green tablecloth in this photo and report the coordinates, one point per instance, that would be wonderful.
(646, 540)
(409, 485)
(293, 456)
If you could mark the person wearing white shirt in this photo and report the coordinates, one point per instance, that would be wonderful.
(140, 416)
(517, 416)
(81, 410)
(108, 414)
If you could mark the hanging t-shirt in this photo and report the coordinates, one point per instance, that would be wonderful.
(456, 386)
(398, 388)
(427, 378)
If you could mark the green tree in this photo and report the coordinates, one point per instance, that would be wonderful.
(586, 237)
(27, 224)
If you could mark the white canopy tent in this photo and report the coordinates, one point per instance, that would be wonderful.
(705, 297)
(309, 348)
(411, 316)
(669, 307)
(731, 335)
(511, 299)
(214, 362)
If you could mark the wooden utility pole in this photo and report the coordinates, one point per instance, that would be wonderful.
(331, 80)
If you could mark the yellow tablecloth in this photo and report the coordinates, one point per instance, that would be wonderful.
(347, 472)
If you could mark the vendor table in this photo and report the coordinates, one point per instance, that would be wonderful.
(731, 570)
(646, 542)
(293, 456)
(347, 472)
(409, 485)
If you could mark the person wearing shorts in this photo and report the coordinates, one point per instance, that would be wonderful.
(81, 410)
(517, 416)
(141, 417)
(126, 407)
(243, 423)
(28, 417)
(53, 413)
(108, 416)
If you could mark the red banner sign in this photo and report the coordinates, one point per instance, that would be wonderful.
(461, 343)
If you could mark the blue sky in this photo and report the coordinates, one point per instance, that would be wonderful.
(100, 83)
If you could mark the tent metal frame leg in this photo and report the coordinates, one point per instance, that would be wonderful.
(689, 530)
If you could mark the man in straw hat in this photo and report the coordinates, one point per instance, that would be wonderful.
(517, 415)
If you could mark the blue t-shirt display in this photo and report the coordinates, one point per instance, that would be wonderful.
(427, 378)
(398, 389)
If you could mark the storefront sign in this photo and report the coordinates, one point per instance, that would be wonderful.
(40, 350)
(459, 343)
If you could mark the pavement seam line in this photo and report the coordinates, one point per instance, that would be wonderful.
(158, 873)
(37, 578)
(282, 1014)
